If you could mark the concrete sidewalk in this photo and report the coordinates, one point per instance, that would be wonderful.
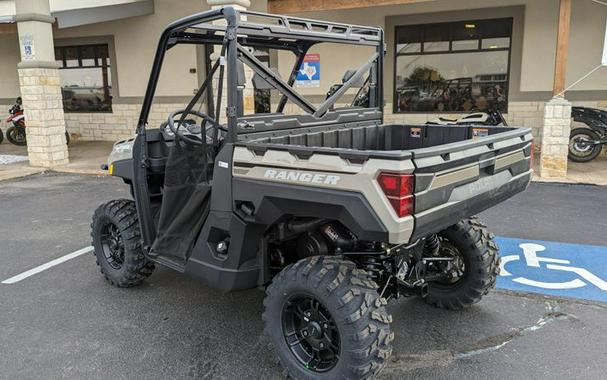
(86, 157)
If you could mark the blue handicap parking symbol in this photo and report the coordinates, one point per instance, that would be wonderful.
(552, 268)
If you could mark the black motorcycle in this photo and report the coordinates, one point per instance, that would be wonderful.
(585, 144)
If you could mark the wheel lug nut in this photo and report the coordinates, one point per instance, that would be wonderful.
(322, 345)
(305, 333)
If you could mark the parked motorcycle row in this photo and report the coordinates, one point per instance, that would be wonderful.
(15, 133)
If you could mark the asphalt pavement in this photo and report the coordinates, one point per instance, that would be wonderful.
(67, 322)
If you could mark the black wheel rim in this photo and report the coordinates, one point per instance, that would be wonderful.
(113, 247)
(311, 333)
(581, 145)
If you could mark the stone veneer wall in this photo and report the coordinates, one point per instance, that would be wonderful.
(118, 124)
(122, 121)
(41, 93)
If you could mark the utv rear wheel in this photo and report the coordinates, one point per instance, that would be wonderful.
(474, 267)
(327, 321)
(117, 244)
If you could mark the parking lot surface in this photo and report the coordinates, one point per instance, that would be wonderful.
(67, 322)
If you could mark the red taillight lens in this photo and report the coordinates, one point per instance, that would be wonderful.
(396, 185)
(398, 188)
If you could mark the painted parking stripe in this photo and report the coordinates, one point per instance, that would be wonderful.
(46, 266)
(553, 268)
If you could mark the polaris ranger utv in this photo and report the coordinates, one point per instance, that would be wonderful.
(331, 211)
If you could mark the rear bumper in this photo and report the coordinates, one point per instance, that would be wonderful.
(468, 200)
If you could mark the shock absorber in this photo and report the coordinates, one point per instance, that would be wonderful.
(431, 245)
(374, 267)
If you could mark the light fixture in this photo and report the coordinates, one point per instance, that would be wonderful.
(470, 26)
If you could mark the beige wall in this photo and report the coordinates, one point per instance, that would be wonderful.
(586, 43)
(135, 42)
(538, 41)
(9, 57)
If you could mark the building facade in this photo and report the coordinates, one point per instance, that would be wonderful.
(443, 58)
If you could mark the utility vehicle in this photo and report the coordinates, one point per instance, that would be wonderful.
(329, 210)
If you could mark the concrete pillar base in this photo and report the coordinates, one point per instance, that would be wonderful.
(555, 138)
(42, 101)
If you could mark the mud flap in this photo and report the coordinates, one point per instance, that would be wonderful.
(185, 202)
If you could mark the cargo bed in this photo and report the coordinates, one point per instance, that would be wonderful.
(459, 170)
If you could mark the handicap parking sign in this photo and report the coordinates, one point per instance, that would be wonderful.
(552, 268)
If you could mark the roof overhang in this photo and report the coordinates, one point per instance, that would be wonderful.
(298, 6)
(71, 13)
(67, 18)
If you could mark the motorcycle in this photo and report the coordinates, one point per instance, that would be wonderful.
(15, 134)
(585, 144)
(491, 117)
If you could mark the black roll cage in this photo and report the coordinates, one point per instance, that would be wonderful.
(236, 33)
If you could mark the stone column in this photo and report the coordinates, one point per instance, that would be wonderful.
(40, 85)
(248, 92)
(555, 138)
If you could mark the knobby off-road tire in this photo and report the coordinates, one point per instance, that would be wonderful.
(479, 251)
(115, 225)
(351, 299)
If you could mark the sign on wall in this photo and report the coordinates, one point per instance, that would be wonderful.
(27, 48)
(309, 72)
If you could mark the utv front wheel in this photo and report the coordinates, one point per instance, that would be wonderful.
(117, 244)
(473, 269)
(327, 321)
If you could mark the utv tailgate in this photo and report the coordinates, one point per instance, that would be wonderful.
(455, 181)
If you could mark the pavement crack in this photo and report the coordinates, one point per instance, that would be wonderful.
(552, 314)
(400, 363)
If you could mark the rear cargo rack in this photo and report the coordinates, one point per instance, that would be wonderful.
(254, 24)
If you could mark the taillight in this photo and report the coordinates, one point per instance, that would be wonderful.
(398, 188)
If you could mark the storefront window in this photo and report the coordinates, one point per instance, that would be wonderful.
(452, 67)
(86, 84)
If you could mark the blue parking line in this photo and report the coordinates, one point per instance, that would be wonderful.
(553, 268)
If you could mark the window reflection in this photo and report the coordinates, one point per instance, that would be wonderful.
(461, 66)
(85, 75)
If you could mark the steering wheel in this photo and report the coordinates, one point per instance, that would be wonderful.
(193, 139)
